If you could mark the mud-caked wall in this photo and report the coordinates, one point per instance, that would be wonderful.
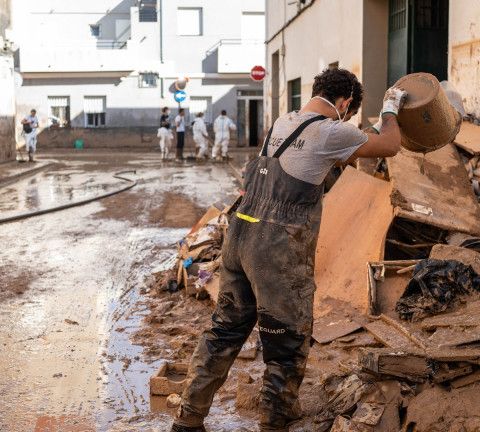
(464, 52)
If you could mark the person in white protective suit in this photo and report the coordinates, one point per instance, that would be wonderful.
(222, 127)
(200, 136)
(165, 133)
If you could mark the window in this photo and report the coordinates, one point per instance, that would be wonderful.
(294, 94)
(95, 30)
(59, 111)
(201, 104)
(148, 11)
(190, 21)
(147, 80)
(94, 108)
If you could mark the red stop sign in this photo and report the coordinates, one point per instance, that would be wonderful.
(257, 73)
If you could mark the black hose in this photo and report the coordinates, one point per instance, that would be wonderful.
(76, 203)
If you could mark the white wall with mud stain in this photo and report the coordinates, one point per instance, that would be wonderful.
(464, 52)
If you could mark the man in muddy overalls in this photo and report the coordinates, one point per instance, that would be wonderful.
(268, 255)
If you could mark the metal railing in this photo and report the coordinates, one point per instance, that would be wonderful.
(111, 44)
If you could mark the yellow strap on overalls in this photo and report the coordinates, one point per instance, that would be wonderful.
(247, 218)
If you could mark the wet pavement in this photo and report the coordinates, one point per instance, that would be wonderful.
(71, 286)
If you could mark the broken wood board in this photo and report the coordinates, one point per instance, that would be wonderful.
(211, 213)
(356, 216)
(466, 380)
(392, 337)
(445, 373)
(325, 333)
(385, 361)
(456, 336)
(441, 196)
(469, 138)
(468, 316)
(464, 255)
(470, 355)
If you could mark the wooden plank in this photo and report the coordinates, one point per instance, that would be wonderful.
(391, 337)
(466, 380)
(463, 255)
(441, 196)
(327, 333)
(387, 362)
(447, 374)
(469, 138)
(348, 239)
(451, 337)
(468, 316)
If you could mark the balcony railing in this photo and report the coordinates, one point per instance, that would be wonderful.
(111, 44)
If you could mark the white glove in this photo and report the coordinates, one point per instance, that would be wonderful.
(393, 100)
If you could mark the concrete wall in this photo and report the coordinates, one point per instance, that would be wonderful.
(7, 98)
(114, 138)
(327, 32)
(464, 52)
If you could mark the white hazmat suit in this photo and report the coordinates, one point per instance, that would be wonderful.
(222, 127)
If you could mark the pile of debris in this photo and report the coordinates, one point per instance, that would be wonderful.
(399, 253)
(195, 265)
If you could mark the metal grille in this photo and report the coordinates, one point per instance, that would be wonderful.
(148, 11)
(398, 14)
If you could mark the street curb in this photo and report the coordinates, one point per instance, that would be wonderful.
(14, 178)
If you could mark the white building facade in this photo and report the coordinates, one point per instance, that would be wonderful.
(110, 64)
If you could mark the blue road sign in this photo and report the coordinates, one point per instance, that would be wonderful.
(180, 96)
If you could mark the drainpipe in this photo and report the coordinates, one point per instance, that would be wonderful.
(160, 19)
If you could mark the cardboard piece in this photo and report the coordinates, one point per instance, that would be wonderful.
(434, 189)
(356, 216)
(469, 138)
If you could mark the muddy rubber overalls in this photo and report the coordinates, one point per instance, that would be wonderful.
(267, 275)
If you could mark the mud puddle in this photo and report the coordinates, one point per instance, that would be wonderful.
(67, 361)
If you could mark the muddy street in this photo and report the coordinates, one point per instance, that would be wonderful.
(73, 284)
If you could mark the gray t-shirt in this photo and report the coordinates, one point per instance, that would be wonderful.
(323, 143)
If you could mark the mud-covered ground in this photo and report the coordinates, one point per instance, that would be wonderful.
(72, 289)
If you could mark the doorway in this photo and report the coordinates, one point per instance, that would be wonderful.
(418, 38)
(250, 118)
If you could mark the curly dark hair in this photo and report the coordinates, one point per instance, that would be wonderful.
(335, 83)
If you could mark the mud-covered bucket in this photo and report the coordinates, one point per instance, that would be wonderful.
(427, 120)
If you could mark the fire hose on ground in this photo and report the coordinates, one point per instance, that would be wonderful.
(118, 175)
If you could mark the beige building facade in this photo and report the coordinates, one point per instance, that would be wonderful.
(378, 40)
